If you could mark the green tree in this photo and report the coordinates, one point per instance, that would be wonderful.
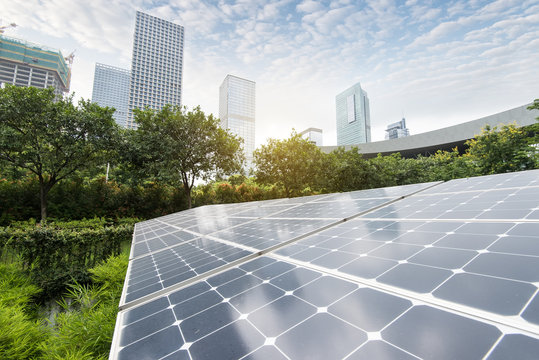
(293, 163)
(534, 106)
(445, 165)
(393, 169)
(501, 150)
(50, 136)
(533, 130)
(177, 145)
(347, 170)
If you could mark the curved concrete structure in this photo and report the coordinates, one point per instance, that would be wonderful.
(443, 139)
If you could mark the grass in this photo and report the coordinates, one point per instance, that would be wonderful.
(82, 330)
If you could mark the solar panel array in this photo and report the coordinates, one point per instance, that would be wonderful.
(427, 271)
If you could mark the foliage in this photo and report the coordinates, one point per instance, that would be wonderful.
(50, 136)
(87, 198)
(293, 163)
(55, 256)
(85, 328)
(233, 191)
(179, 146)
(20, 333)
(347, 170)
(501, 150)
(534, 106)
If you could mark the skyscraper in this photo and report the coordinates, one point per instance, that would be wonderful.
(314, 135)
(25, 64)
(397, 130)
(353, 116)
(237, 111)
(111, 88)
(156, 65)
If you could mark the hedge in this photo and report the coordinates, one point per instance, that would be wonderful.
(61, 253)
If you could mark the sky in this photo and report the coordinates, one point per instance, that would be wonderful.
(437, 63)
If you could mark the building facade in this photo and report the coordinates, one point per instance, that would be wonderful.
(237, 111)
(314, 135)
(156, 65)
(25, 64)
(397, 130)
(353, 116)
(111, 88)
(445, 139)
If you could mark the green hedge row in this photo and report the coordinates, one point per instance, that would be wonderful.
(79, 199)
(57, 255)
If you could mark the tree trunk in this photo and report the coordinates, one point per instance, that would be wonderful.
(187, 191)
(43, 200)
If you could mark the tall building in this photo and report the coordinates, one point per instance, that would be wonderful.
(314, 135)
(156, 65)
(25, 64)
(353, 116)
(111, 88)
(237, 111)
(397, 130)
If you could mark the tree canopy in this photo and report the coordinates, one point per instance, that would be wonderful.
(178, 145)
(293, 163)
(502, 150)
(50, 136)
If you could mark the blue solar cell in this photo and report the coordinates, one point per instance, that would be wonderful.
(375, 286)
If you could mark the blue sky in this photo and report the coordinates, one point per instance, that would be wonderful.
(438, 63)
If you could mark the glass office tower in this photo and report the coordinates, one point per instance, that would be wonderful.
(314, 135)
(353, 116)
(397, 130)
(111, 88)
(237, 111)
(156, 65)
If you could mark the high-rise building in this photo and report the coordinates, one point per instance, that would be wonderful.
(25, 64)
(353, 116)
(314, 135)
(111, 88)
(397, 130)
(156, 65)
(237, 111)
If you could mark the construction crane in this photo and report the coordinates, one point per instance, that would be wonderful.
(2, 28)
(69, 58)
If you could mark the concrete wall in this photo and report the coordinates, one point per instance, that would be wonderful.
(445, 138)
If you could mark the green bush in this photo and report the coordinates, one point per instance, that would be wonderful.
(20, 333)
(233, 191)
(87, 198)
(59, 253)
(82, 330)
(85, 328)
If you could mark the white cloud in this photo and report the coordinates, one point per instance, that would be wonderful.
(309, 6)
(439, 62)
(436, 34)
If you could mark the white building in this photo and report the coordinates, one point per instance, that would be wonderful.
(156, 65)
(237, 111)
(397, 130)
(111, 88)
(314, 135)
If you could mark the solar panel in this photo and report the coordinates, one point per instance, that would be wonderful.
(430, 271)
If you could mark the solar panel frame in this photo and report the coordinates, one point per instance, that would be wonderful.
(449, 250)
(311, 306)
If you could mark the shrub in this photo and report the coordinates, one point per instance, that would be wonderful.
(56, 255)
(87, 198)
(21, 334)
(85, 329)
